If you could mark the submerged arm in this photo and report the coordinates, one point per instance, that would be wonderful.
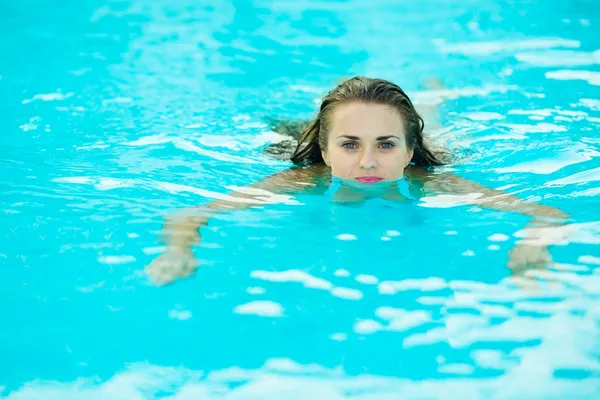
(540, 232)
(181, 231)
(486, 197)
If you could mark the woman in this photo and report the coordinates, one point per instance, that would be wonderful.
(366, 141)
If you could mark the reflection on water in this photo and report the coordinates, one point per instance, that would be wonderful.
(115, 113)
(284, 378)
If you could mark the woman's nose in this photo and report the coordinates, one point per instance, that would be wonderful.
(368, 160)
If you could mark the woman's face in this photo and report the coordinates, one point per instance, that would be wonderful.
(366, 144)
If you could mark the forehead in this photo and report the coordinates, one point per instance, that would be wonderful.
(366, 120)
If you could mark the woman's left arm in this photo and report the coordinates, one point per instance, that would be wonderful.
(547, 226)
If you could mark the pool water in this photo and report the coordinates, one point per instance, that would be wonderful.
(116, 113)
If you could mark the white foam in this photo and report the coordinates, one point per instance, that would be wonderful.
(367, 327)
(118, 100)
(482, 116)
(432, 336)
(195, 125)
(339, 337)
(139, 381)
(347, 293)
(293, 275)
(251, 125)
(591, 77)
(90, 288)
(400, 320)
(493, 247)
(255, 290)
(346, 236)
(367, 279)
(342, 273)
(32, 125)
(495, 310)
(560, 58)
(592, 104)
(178, 188)
(492, 359)
(542, 127)
(504, 46)
(593, 192)
(498, 237)
(181, 315)
(290, 366)
(262, 308)
(241, 141)
(432, 300)
(542, 112)
(215, 155)
(587, 259)
(112, 183)
(241, 117)
(389, 313)
(425, 285)
(457, 369)
(113, 260)
(74, 179)
(98, 145)
(308, 89)
(591, 175)
(545, 166)
(150, 140)
(49, 97)
(226, 141)
(433, 97)
(153, 250)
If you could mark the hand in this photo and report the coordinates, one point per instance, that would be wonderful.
(531, 252)
(524, 257)
(175, 263)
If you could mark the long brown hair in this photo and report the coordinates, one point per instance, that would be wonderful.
(369, 90)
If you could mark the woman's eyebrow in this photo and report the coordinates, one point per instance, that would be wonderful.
(387, 137)
(378, 138)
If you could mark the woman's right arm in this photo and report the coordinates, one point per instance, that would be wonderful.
(181, 231)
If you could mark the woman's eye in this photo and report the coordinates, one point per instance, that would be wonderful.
(350, 145)
(387, 145)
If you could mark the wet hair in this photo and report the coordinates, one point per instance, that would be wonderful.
(313, 137)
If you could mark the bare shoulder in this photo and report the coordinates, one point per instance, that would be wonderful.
(434, 182)
(296, 180)
(422, 176)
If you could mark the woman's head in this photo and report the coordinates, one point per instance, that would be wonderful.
(365, 128)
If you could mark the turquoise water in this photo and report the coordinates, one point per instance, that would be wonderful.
(115, 113)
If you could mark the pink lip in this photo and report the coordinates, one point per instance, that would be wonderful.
(369, 179)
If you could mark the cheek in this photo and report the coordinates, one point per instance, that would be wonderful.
(341, 160)
(402, 157)
(394, 164)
